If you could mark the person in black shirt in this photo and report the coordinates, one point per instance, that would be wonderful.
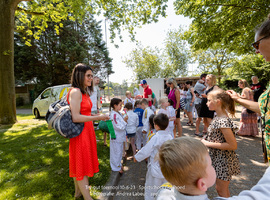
(257, 88)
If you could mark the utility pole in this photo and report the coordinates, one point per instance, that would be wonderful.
(108, 85)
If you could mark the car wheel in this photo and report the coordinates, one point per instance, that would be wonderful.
(36, 112)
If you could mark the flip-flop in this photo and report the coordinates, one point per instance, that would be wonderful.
(190, 124)
(199, 134)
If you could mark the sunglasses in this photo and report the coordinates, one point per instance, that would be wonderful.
(257, 43)
(89, 76)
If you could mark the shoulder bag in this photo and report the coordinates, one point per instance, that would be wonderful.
(59, 118)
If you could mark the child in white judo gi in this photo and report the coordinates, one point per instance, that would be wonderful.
(119, 125)
(129, 98)
(154, 177)
(132, 123)
(164, 109)
(146, 114)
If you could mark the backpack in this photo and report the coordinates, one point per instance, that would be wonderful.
(59, 118)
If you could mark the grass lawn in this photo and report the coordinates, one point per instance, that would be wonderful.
(34, 162)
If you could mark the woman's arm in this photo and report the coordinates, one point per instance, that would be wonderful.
(177, 97)
(230, 143)
(75, 98)
(251, 105)
(193, 95)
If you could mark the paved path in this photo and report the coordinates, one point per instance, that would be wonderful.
(250, 155)
(24, 111)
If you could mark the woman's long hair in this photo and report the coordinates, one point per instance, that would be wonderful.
(78, 76)
(172, 81)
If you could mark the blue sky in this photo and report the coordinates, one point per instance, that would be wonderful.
(149, 35)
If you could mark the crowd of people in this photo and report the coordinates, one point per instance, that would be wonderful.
(178, 167)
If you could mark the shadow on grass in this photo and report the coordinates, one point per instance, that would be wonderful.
(34, 163)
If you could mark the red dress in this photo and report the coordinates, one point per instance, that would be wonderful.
(83, 159)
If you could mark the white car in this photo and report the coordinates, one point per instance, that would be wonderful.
(48, 96)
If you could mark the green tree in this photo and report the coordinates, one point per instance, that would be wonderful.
(175, 54)
(145, 62)
(122, 14)
(214, 60)
(50, 59)
(230, 22)
(247, 66)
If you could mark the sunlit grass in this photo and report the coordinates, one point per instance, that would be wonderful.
(34, 162)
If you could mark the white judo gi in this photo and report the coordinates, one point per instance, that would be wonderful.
(154, 177)
(145, 120)
(116, 145)
(171, 115)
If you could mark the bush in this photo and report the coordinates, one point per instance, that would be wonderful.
(105, 104)
(19, 101)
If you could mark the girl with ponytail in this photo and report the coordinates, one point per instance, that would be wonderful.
(221, 140)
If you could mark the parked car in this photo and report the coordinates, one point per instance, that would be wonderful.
(48, 96)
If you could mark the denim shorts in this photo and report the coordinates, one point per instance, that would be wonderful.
(130, 135)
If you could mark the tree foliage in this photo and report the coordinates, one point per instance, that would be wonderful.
(145, 62)
(175, 54)
(122, 15)
(230, 22)
(171, 61)
(51, 58)
(214, 60)
(247, 66)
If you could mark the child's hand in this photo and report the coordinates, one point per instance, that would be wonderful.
(144, 132)
(126, 118)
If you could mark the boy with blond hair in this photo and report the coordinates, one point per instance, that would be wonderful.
(185, 164)
(164, 104)
(129, 99)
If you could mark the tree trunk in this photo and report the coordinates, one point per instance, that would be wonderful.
(7, 81)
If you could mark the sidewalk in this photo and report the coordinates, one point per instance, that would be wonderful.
(131, 183)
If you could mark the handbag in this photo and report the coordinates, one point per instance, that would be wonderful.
(182, 103)
(59, 118)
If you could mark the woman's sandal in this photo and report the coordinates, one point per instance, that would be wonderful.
(190, 124)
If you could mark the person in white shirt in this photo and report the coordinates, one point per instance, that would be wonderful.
(164, 109)
(172, 116)
(137, 95)
(129, 99)
(146, 114)
(154, 177)
(95, 96)
(132, 123)
(117, 145)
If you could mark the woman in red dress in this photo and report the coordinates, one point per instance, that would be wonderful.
(83, 160)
